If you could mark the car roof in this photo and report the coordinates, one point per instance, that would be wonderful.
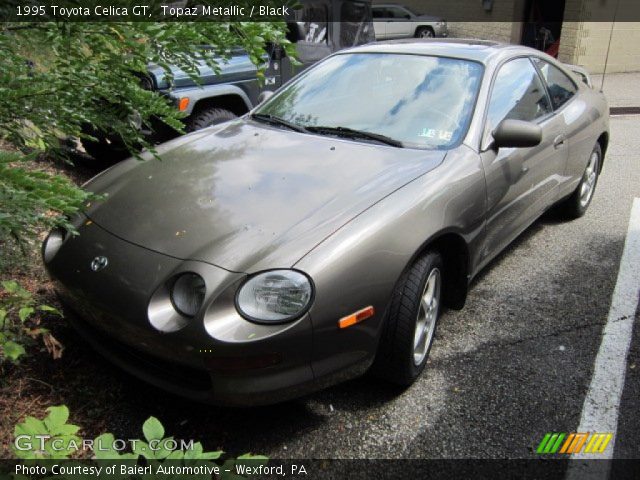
(479, 50)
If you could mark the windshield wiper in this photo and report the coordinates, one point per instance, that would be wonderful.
(267, 117)
(351, 133)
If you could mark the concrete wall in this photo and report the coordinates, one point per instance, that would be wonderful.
(586, 42)
(583, 41)
(480, 23)
(498, 31)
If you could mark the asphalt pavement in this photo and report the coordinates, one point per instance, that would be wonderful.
(514, 364)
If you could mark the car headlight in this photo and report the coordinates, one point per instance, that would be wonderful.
(187, 294)
(52, 244)
(275, 296)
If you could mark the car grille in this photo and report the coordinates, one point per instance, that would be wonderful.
(181, 376)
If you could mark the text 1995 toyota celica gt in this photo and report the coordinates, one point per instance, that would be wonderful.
(319, 236)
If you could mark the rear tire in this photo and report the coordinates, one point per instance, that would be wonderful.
(412, 316)
(208, 117)
(577, 204)
(425, 32)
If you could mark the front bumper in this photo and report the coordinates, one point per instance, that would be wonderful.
(218, 357)
(259, 386)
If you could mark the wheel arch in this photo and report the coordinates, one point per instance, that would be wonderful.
(232, 102)
(227, 96)
(454, 250)
(603, 141)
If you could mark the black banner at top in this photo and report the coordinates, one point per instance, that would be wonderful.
(289, 10)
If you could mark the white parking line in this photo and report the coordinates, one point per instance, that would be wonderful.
(602, 403)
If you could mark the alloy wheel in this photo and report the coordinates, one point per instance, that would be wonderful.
(589, 178)
(427, 317)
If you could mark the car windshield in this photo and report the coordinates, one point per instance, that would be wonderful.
(415, 100)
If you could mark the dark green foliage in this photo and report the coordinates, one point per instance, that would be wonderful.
(57, 78)
(31, 198)
(18, 323)
(60, 80)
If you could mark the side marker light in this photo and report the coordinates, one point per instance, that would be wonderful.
(356, 317)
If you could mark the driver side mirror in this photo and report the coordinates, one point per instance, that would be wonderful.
(264, 96)
(516, 134)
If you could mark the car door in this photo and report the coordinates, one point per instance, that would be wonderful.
(573, 117)
(521, 182)
(398, 24)
(380, 17)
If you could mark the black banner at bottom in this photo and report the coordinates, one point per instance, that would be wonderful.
(320, 469)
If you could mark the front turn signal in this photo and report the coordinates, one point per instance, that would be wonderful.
(356, 317)
(183, 103)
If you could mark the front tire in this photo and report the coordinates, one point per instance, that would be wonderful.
(411, 322)
(425, 32)
(208, 117)
(576, 205)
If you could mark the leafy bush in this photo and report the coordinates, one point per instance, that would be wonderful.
(60, 80)
(55, 427)
(61, 440)
(32, 199)
(59, 77)
(18, 323)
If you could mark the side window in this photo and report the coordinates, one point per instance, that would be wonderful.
(395, 12)
(518, 94)
(561, 87)
(379, 13)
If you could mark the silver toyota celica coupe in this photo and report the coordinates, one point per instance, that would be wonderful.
(319, 236)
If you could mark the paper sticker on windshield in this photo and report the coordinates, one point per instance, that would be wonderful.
(444, 135)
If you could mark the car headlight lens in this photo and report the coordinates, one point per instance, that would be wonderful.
(187, 294)
(52, 244)
(275, 296)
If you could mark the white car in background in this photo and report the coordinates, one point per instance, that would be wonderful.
(397, 21)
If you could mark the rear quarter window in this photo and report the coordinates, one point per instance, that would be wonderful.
(561, 87)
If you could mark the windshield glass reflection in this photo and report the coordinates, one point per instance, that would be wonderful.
(421, 101)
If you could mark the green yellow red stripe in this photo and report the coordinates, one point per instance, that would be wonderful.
(558, 442)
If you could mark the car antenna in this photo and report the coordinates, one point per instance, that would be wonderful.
(606, 60)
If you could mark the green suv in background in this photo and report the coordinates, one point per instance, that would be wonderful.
(318, 29)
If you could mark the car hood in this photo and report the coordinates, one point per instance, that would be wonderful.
(246, 196)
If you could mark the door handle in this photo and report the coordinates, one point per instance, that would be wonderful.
(559, 141)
